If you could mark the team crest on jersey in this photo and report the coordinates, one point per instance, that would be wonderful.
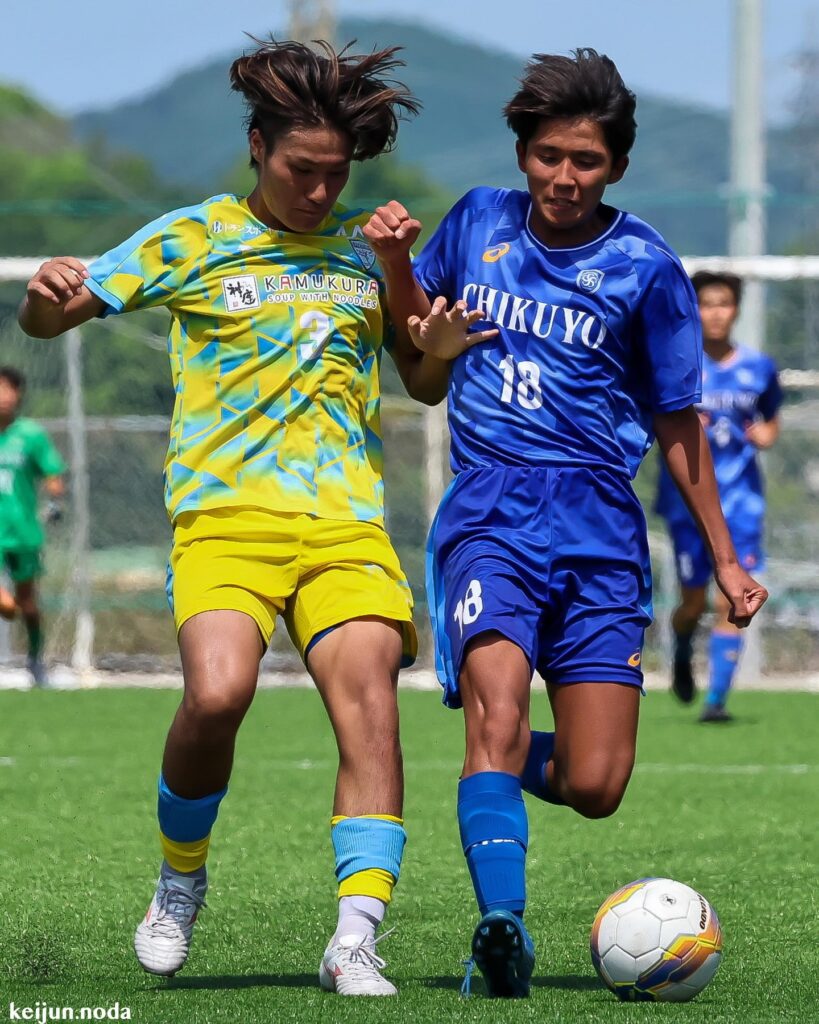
(240, 293)
(365, 254)
(493, 255)
(590, 280)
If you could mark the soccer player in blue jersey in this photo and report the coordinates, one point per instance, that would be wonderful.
(739, 410)
(538, 559)
(273, 476)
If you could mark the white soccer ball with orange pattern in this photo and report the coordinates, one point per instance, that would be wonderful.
(656, 939)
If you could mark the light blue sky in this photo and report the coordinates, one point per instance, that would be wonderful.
(94, 52)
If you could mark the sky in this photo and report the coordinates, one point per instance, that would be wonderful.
(93, 53)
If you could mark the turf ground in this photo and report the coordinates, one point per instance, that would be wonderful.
(732, 810)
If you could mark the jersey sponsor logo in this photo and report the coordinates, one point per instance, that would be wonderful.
(219, 227)
(340, 289)
(364, 253)
(726, 401)
(494, 254)
(635, 659)
(240, 293)
(590, 280)
(516, 313)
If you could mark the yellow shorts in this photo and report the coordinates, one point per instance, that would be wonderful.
(317, 573)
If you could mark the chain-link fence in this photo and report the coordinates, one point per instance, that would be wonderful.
(106, 559)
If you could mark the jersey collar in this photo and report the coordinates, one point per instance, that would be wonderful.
(593, 242)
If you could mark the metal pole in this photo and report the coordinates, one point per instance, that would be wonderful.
(436, 436)
(746, 235)
(312, 19)
(747, 205)
(82, 654)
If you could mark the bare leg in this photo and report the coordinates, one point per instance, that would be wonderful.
(721, 609)
(595, 743)
(684, 622)
(355, 668)
(26, 599)
(8, 605)
(689, 611)
(220, 652)
(495, 682)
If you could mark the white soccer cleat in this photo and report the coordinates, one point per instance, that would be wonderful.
(163, 938)
(353, 968)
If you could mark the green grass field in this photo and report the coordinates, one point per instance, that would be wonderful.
(731, 810)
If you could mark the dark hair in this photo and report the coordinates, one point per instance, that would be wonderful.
(705, 278)
(14, 377)
(587, 84)
(287, 85)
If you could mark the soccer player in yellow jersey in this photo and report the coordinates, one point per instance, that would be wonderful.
(273, 474)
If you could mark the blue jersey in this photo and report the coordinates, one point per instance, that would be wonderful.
(592, 340)
(736, 392)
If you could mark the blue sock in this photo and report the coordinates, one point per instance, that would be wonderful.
(533, 779)
(724, 651)
(494, 835)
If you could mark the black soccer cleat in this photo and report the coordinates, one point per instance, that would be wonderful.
(683, 685)
(715, 713)
(505, 954)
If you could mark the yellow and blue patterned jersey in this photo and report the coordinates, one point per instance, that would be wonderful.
(275, 345)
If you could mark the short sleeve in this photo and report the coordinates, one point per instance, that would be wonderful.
(44, 455)
(150, 267)
(436, 268)
(770, 400)
(668, 333)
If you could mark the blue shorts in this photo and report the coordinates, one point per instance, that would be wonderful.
(555, 559)
(693, 562)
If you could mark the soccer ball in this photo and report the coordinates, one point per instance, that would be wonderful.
(656, 939)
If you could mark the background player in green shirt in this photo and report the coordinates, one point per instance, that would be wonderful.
(27, 455)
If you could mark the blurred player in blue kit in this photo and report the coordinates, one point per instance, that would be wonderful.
(538, 558)
(741, 398)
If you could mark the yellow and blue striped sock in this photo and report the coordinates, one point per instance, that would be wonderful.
(185, 827)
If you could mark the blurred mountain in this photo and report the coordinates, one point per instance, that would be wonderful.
(60, 195)
(191, 131)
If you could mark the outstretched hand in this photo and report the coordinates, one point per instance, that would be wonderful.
(444, 333)
(744, 594)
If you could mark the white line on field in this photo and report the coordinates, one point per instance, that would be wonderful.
(656, 767)
(727, 769)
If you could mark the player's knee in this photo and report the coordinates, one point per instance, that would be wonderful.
(693, 604)
(499, 734)
(371, 699)
(217, 707)
(595, 791)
